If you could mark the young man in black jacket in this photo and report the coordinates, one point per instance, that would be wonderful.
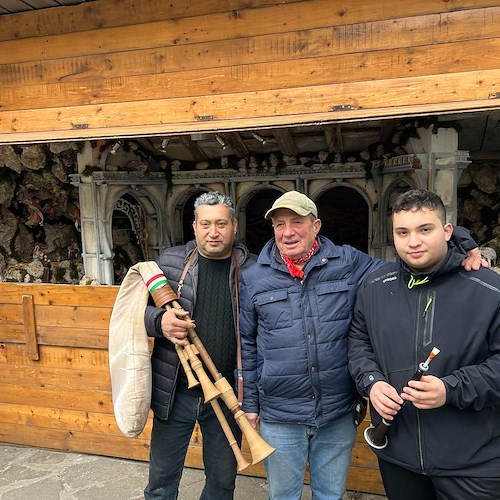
(444, 441)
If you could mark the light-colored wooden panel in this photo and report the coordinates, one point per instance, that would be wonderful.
(12, 315)
(60, 295)
(363, 455)
(477, 55)
(92, 338)
(365, 479)
(109, 13)
(30, 327)
(62, 357)
(53, 377)
(64, 419)
(11, 333)
(82, 442)
(359, 100)
(80, 317)
(68, 316)
(218, 26)
(95, 401)
(57, 336)
(378, 35)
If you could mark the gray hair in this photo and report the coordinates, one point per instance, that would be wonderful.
(214, 198)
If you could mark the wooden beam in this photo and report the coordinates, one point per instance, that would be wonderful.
(352, 102)
(195, 150)
(235, 142)
(295, 18)
(30, 327)
(113, 13)
(292, 46)
(333, 136)
(380, 65)
(285, 141)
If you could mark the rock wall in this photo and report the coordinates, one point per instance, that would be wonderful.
(479, 202)
(39, 211)
(39, 214)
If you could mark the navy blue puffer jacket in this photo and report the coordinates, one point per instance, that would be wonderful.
(294, 334)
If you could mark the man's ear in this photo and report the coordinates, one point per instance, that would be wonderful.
(448, 231)
(317, 226)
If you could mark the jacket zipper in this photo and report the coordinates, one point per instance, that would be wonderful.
(424, 328)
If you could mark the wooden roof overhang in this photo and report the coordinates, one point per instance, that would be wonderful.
(113, 68)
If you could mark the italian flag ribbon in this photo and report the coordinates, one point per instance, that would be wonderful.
(155, 282)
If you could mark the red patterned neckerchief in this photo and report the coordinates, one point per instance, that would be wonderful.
(292, 263)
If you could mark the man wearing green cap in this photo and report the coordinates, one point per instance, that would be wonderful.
(296, 309)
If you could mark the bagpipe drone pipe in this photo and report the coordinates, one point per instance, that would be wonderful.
(215, 386)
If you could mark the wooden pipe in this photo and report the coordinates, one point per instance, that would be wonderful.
(259, 449)
(188, 356)
(192, 381)
(164, 296)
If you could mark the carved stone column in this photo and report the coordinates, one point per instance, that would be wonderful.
(444, 167)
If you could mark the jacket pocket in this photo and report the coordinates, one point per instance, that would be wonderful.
(333, 300)
(274, 309)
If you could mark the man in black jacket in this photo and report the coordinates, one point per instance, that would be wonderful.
(444, 441)
(207, 269)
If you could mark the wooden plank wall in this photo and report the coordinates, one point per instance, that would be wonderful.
(55, 389)
(139, 67)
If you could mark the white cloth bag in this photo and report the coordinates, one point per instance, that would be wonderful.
(129, 356)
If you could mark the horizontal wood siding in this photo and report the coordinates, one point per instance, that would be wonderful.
(62, 400)
(138, 67)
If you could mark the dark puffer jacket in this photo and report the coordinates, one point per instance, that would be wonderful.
(395, 327)
(294, 334)
(164, 359)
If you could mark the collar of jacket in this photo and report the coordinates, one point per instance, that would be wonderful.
(240, 250)
(451, 263)
(270, 256)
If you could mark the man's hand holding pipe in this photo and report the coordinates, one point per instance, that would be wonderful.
(427, 393)
(385, 399)
(175, 327)
(253, 418)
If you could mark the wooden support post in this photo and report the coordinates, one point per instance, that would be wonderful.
(30, 328)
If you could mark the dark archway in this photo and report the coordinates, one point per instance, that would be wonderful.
(345, 217)
(188, 217)
(259, 230)
(129, 235)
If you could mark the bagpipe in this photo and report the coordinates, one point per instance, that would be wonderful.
(376, 436)
(213, 386)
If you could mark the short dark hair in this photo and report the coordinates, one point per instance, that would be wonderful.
(214, 198)
(416, 199)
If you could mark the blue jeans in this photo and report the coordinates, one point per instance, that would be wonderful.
(169, 443)
(327, 449)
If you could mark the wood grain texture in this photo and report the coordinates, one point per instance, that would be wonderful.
(194, 69)
(62, 401)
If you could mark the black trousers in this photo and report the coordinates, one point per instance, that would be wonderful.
(401, 484)
(169, 443)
